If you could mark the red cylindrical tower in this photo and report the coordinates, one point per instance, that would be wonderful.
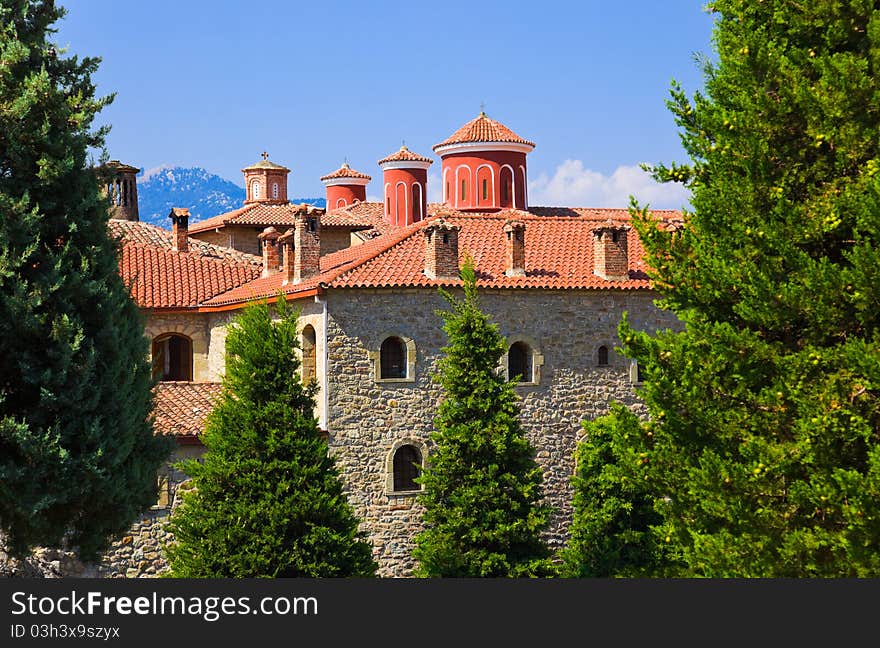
(345, 186)
(405, 183)
(484, 167)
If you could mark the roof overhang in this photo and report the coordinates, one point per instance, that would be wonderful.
(334, 182)
(482, 147)
(405, 164)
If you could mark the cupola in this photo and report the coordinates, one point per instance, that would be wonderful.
(345, 186)
(483, 167)
(405, 182)
(121, 189)
(265, 182)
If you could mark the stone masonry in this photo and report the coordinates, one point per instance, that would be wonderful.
(369, 418)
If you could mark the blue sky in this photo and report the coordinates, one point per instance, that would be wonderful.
(213, 84)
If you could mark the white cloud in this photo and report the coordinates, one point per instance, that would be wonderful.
(435, 193)
(572, 185)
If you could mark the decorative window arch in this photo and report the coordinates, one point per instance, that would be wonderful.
(508, 186)
(275, 190)
(461, 185)
(602, 356)
(340, 202)
(255, 189)
(172, 357)
(417, 202)
(400, 190)
(388, 200)
(523, 358)
(395, 359)
(309, 354)
(486, 195)
(403, 464)
(446, 187)
(525, 186)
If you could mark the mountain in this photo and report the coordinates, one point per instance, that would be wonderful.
(205, 194)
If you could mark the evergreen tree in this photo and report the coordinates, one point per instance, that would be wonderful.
(611, 532)
(78, 457)
(267, 498)
(764, 419)
(483, 488)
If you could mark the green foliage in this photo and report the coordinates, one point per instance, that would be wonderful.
(612, 532)
(78, 457)
(267, 500)
(764, 413)
(483, 488)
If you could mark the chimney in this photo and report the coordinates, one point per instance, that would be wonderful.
(286, 242)
(269, 239)
(610, 252)
(179, 227)
(306, 243)
(441, 250)
(515, 232)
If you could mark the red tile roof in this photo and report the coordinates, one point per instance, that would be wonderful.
(262, 215)
(365, 214)
(405, 155)
(180, 408)
(483, 129)
(345, 171)
(159, 277)
(559, 255)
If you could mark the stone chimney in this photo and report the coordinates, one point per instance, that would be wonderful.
(286, 243)
(515, 233)
(610, 252)
(179, 227)
(306, 243)
(269, 240)
(441, 250)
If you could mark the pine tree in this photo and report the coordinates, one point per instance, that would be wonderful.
(267, 500)
(764, 422)
(482, 486)
(611, 533)
(78, 457)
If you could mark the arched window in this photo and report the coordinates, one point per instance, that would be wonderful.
(309, 364)
(274, 189)
(392, 358)
(407, 467)
(602, 356)
(417, 202)
(464, 190)
(255, 190)
(172, 357)
(519, 362)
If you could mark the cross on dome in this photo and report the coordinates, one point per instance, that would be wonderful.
(265, 155)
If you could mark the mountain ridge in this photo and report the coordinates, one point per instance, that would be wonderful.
(205, 194)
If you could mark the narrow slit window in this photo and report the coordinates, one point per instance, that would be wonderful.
(407, 467)
(603, 356)
(519, 363)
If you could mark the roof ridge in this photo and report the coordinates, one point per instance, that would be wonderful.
(398, 237)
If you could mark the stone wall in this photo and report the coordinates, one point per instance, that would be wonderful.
(137, 554)
(367, 417)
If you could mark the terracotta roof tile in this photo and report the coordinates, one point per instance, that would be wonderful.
(261, 215)
(345, 171)
(180, 408)
(362, 214)
(483, 129)
(405, 155)
(559, 255)
(159, 277)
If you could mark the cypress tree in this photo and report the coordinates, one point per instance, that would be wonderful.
(78, 458)
(482, 485)
(267, 500)
(764, 418)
